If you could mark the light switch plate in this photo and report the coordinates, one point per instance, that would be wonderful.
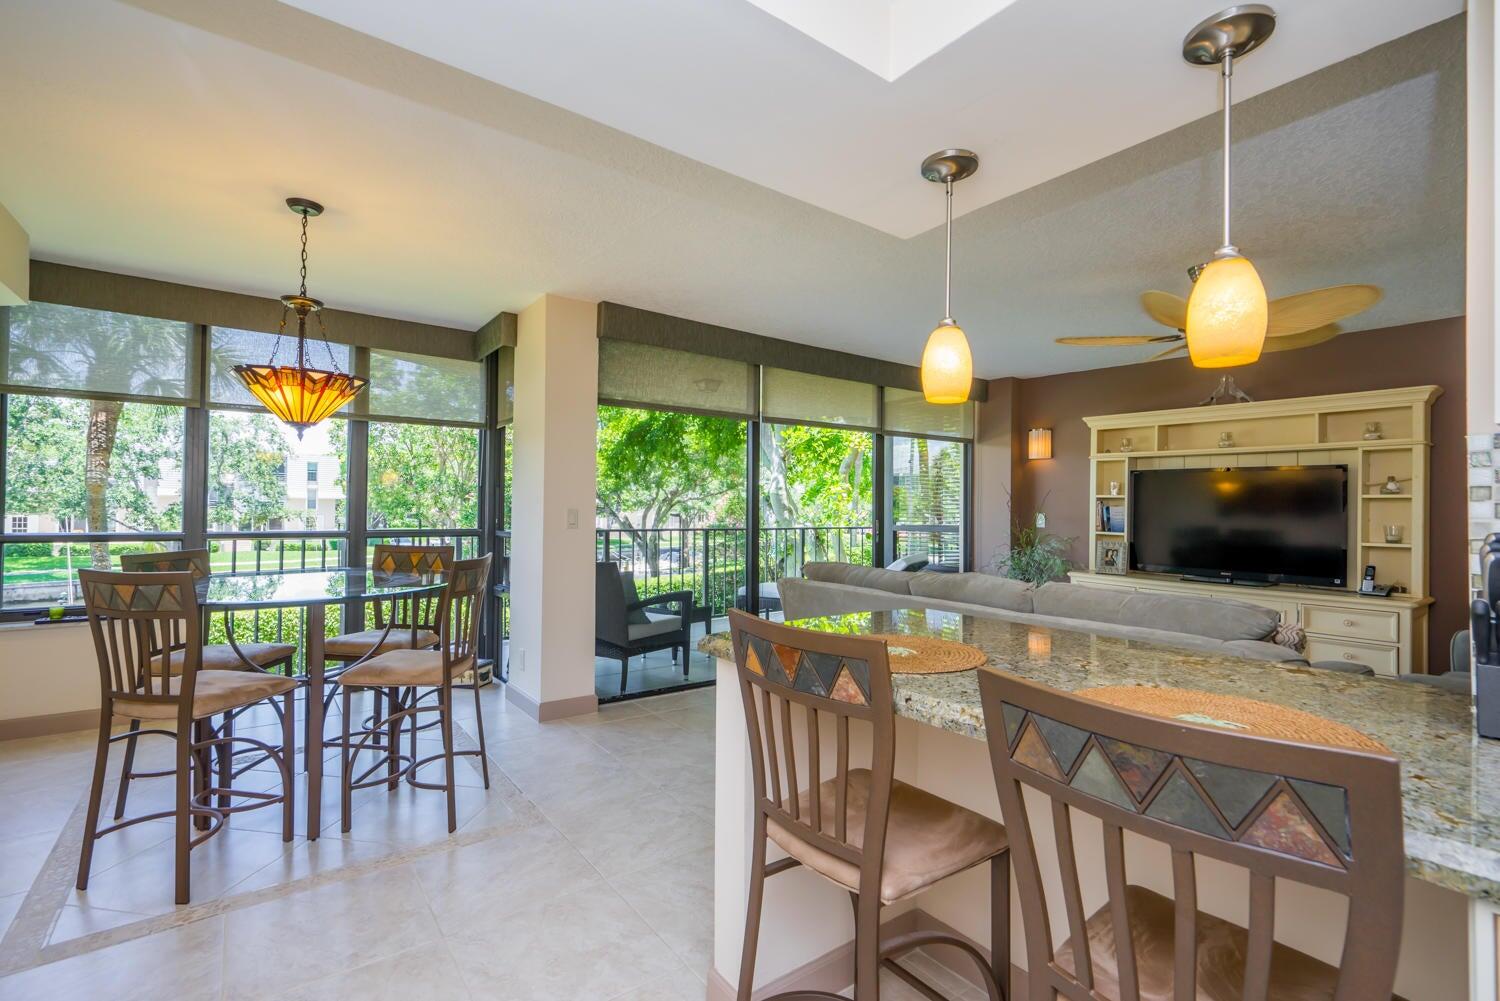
(1041, 520)
(572, 517)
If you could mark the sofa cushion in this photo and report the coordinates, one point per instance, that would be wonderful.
(1216, 618)
(878, 579)
(828, 573)
(975, 589)
(1074, 601)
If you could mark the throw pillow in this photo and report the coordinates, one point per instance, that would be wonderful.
(1289, 634)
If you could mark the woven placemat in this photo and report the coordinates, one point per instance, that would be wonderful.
(930, 655)
(1231, 712)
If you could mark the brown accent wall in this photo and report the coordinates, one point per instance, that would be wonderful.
(1418, 354)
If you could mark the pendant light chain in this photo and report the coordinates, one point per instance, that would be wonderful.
(303, 273)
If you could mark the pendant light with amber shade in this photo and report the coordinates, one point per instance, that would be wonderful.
(1227, 312)
(298, 395)
(947, 365)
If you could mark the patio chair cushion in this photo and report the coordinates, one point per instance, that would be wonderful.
(353, 645)
(221, 656)
(927, 837)
(656, 624)
(213, 692)
(401, 668)
(633, 616)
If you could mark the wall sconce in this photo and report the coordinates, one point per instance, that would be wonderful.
(1039, 443)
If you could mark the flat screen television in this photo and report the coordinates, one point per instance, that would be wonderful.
(1284, 524)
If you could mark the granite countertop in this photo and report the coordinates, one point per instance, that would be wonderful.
(1450, 778)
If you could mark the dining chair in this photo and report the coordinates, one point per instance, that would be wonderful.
(233, 655)
(1326, 817)
(870, 834)
(139, 621)
(403, 679)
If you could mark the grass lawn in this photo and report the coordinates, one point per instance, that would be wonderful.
(43, 569)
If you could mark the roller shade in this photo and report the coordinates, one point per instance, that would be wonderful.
(908, 412)
(505, 387)
(409, 387)
(644, 375)
(788, 397)
(228, 347)
(94, 353)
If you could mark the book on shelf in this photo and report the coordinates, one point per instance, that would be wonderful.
(1109, 516)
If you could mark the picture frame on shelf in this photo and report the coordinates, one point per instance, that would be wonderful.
(1109, 556)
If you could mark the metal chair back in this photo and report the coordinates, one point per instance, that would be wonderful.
(137, 620)
(1322, 816)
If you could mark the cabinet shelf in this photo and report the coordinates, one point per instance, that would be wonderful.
(1386, 545)
(1385, 496)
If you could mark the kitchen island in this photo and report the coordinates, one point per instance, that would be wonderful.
(1450, 793)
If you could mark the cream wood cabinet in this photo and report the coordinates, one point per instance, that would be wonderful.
(1389, 634)
(1382, 436)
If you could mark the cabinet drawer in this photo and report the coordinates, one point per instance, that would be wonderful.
(1354, 623)
(1384, 659)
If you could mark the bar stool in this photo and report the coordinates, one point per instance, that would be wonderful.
(138, 621)
(270, 658)
(399, 676)
(1321, 816)
(880, 839)
(412, 624)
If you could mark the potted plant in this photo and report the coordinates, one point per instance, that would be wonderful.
(1034, 555)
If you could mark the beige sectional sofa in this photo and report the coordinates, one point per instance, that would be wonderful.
(1212, 625)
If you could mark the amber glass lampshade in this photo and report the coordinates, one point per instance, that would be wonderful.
(947, 366)
(300, 397)
(1226, 314)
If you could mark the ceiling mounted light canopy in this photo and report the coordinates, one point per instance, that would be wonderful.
(1227, 312)
(947, 365)
(296, 394)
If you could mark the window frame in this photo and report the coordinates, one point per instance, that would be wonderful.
(355, 537)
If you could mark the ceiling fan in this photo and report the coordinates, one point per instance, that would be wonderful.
(1294, 321)
(1228, 320)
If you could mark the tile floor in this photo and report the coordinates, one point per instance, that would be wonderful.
(584, 872)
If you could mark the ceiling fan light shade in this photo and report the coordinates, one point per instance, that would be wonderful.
(1227, 314)
(947, 365)
(300, 397)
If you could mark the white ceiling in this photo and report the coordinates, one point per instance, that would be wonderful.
(159, 137)
(1036, 87)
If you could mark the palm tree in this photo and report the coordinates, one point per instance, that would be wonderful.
(64, 347)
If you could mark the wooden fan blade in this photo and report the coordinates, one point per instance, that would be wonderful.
(1165, 308)
(1306, 311)
(1176, 349)
(1306, 339)
(1128, 339)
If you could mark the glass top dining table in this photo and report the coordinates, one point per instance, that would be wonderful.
(313, 590)
(302, 588)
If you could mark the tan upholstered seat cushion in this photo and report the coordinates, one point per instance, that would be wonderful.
(214, 692)
(221, 656)
(927, 839)
(402, 668)
(355, 645)
(1295, 976)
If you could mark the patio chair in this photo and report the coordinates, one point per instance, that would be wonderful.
(624, 626)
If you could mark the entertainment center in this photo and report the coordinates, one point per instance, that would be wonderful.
(1277, 449)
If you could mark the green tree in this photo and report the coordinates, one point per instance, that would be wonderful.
(62, 346)
(422, 476)
(816, 475)
(53, 466)
(655, 465)
(246, 471)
